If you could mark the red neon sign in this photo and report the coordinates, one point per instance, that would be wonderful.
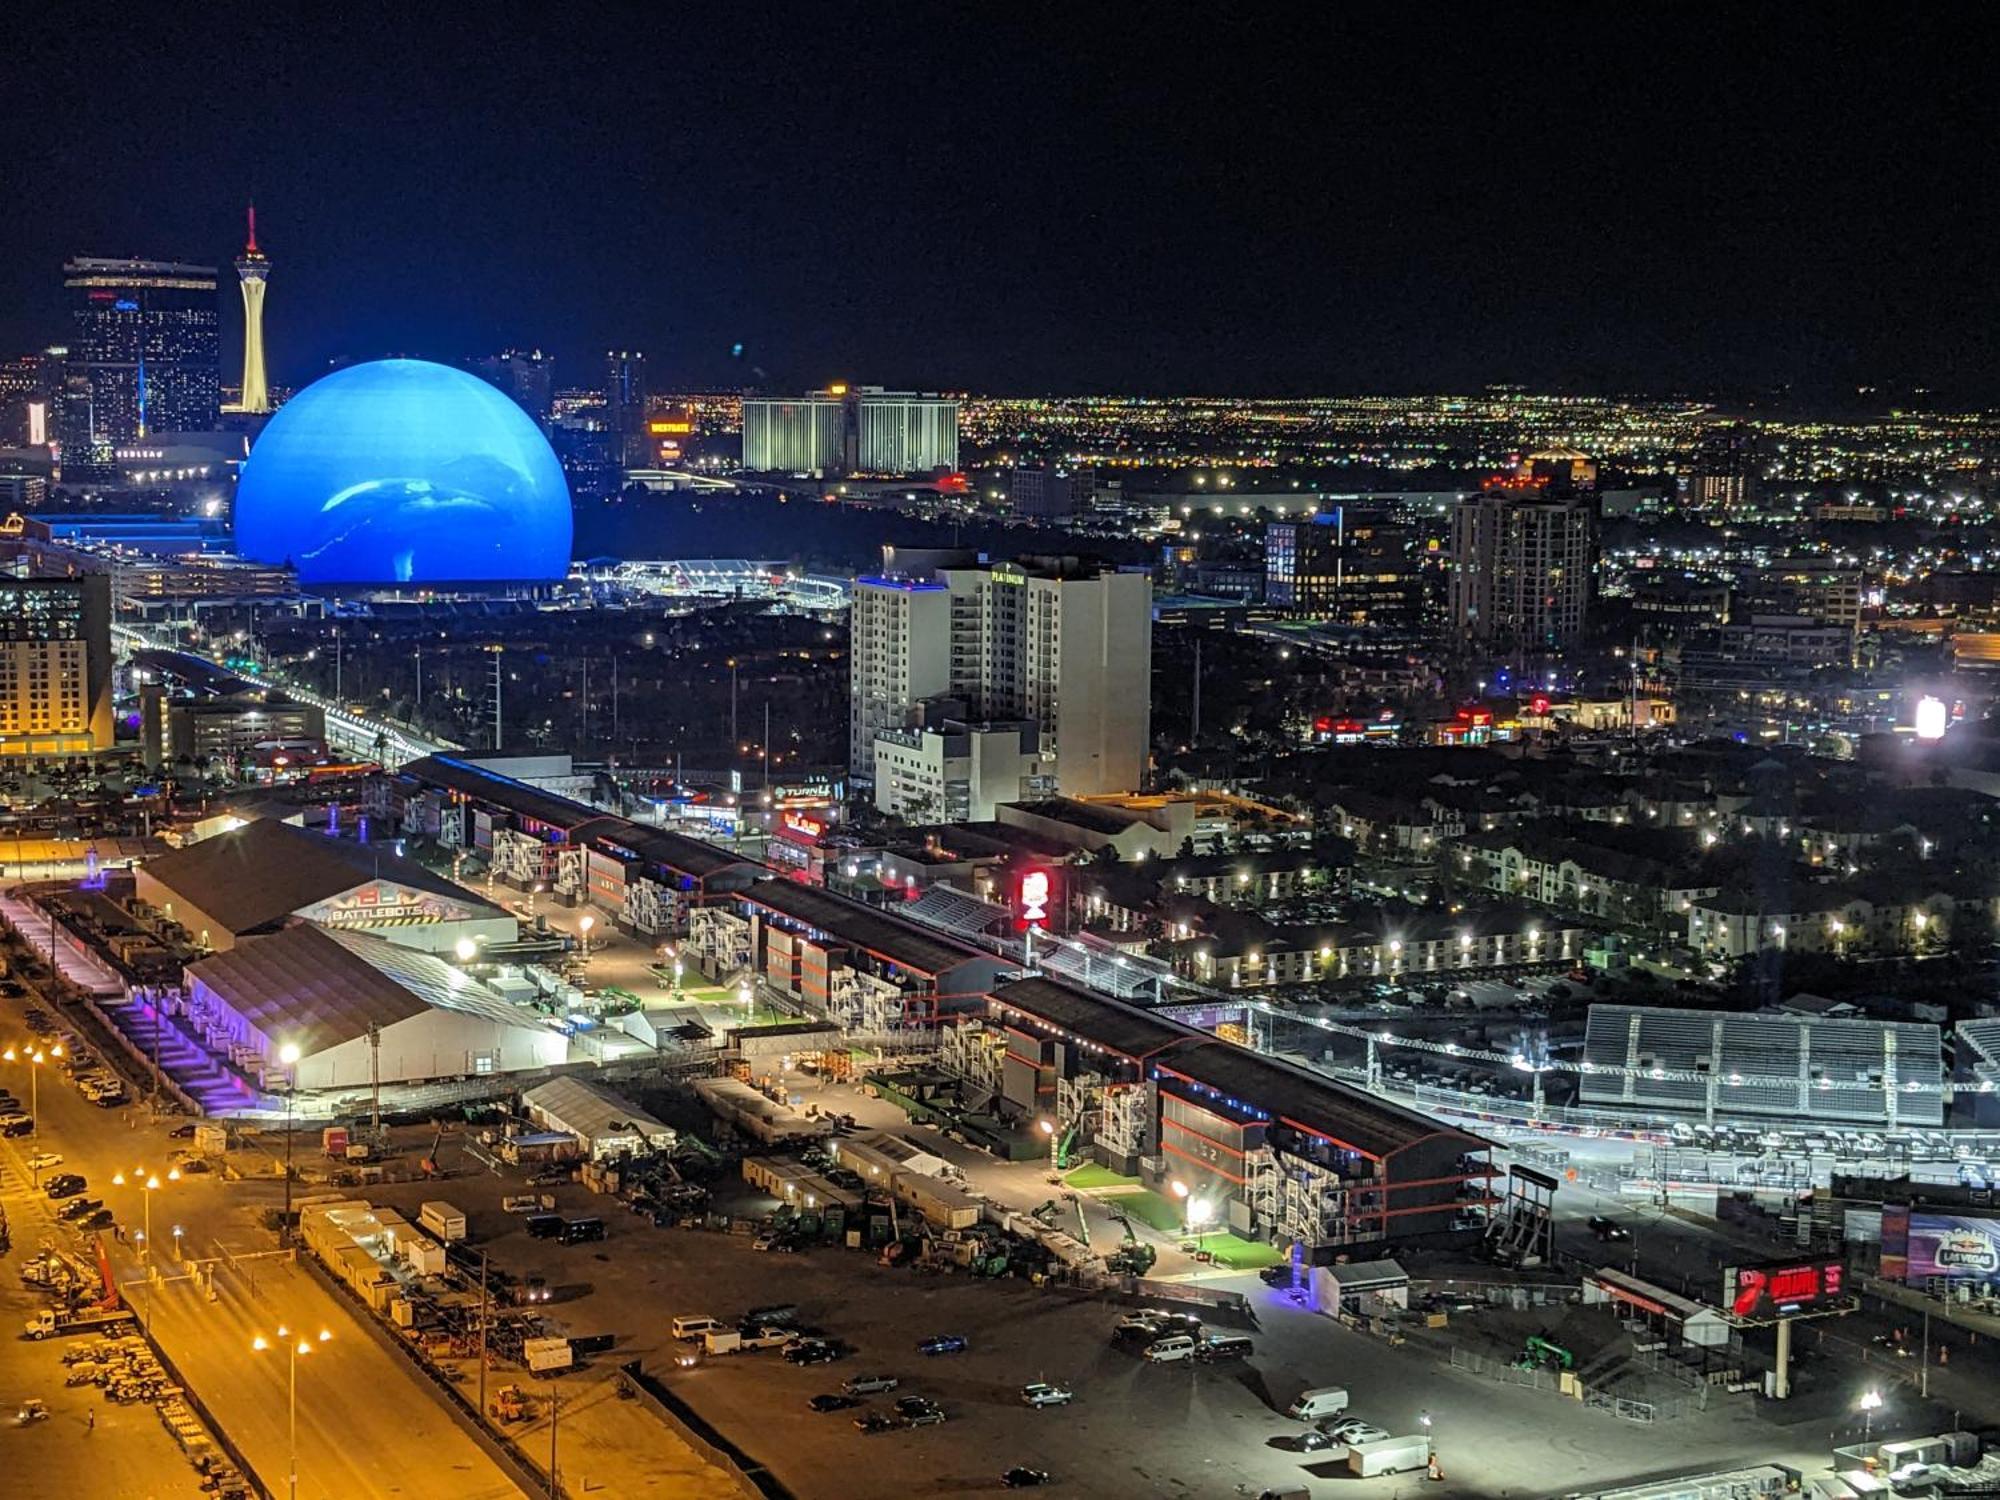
(1031, 899)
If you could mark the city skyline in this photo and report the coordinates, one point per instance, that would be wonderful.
(1320, 208)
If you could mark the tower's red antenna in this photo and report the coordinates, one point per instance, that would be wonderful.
(251, 248)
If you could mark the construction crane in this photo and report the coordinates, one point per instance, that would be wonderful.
(430, 1165)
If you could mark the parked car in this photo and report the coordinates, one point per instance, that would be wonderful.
(1020, 1477)
(16, 1125)
(929, 1417)
(873, 1422)
(182, 1132)
(1352, 1430)
(869, 1385)
(1042, 1394)
(41, 1161)
(77, 1208)
(944, 1343)
(1608, 1229)
(832, 1403)
(64, 1185)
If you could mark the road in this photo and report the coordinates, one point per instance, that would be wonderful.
(368, 1426)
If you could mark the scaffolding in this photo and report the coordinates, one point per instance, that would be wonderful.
(1297, 1199)
(654, 910)
(973, 1053)
(1125, 1118)
(572, 873)
(517, 857)
(860, 1002)
(1076, 1101)
(721, 939)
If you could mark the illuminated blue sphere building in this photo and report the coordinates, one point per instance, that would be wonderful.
(404, 472)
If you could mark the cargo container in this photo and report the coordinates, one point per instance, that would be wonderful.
(722, 1341)
(442, 1220)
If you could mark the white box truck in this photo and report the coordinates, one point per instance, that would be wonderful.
(1319, 1405)
(1394, 1455)
(722, 1341)
(442, 1220)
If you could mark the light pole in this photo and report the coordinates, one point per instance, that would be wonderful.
(35, 1059)
(1871, 1399)
(294, 1347)
(583, 925)
(289, 1056)
(1049, 1129)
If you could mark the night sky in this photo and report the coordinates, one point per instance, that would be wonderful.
(1075, 197)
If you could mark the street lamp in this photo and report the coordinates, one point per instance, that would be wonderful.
(289, 1056)
(294, 1347)
(583, 925)
(35, 1060)
(1871, 1400)
(1048, 1128)
(148, 1184)
(465, 950)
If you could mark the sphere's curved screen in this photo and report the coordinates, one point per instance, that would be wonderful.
(404, 472)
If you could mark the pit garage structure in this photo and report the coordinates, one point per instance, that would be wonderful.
(1706, 1064)
(646, 879)
(262, 876)
(1271, 1150)
(865, 968)
(361, 1010)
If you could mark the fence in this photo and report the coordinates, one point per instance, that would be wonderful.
(755, 1479)
(1626, 1408)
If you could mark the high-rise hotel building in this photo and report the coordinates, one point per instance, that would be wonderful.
(145, 357)
(55, 665)
(857, 430)
(1062, 642)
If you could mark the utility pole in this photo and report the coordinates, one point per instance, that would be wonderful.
(614, 701)
(733, 741)
(482, 1336)
(375, 1075)
(553, 1399)
(420, 677)
(336, 665)
(767, 744)
(1195, 738)
(586, 702)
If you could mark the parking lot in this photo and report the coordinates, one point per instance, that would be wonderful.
(1135, 1428)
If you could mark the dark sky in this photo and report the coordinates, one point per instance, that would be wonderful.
(1028, 198)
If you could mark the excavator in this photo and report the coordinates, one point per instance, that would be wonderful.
(430, 1164)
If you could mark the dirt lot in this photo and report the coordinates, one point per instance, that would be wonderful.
(1135, 1429)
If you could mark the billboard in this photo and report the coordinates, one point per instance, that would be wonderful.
(1034, 894)
(1956, 1247)
(1782, 1288)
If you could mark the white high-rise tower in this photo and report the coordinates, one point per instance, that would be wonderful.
(253, 267)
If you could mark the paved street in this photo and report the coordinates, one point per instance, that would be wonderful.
(368, 1426)
(368, 1429)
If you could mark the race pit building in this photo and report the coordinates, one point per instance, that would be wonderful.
(257, 878)
(354, 1003)
(1263, 1148)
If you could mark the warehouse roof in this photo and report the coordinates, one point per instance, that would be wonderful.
(261, 873)
(592, 1112)
(319, 987)
(889, 938)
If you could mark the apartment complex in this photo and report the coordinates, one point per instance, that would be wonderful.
(1063, 642)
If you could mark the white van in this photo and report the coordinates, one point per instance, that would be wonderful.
(1166, 1351)
(1319, 1404)
(691, 1329)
